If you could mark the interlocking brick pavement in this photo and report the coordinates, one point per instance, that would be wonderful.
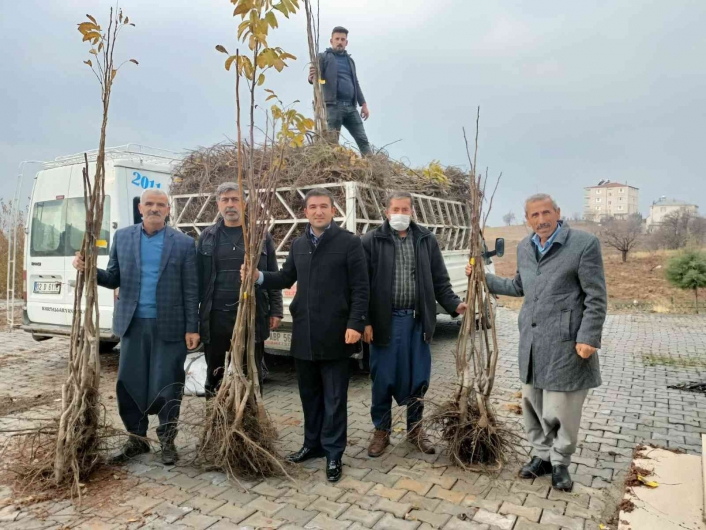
(403, 489)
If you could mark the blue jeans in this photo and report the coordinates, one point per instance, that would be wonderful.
(402, 370)
(346, 114)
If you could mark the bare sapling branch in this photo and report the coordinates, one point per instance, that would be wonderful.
(238, 435)
(468, 423)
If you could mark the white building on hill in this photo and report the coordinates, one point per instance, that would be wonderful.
(610, 199)
(663, 207)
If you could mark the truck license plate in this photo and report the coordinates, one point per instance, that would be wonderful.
(47, 287)
(279, 339)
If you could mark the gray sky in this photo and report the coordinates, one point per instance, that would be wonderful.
(570, 93)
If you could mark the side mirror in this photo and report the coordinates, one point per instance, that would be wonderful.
(500, 247)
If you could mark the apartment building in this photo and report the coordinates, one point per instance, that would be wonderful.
(663, 207)
(610, 199)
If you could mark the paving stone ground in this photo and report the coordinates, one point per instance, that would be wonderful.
(403, 489)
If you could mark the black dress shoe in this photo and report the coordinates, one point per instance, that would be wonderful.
(304, 454)
(334, 470)
(132, 448)
(561, 480)
(535, 468)
(169, 454)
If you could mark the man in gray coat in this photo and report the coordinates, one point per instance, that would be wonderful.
(560, 274)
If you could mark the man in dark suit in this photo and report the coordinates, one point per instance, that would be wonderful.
(329, 314)
(560, 275)
(156, 318)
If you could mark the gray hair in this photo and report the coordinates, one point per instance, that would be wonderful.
(153, 190)
(225, 188)
(398, 195)
(541, 197)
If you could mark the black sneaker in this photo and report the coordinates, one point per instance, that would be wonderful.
(334, 470)
(535, 468)
(169, 454)
(561, 480)
(304, 454)
(132, 448)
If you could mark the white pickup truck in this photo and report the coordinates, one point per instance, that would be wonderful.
(359, 208)
(57, 217)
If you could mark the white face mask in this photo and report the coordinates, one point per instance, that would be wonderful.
(399, 221)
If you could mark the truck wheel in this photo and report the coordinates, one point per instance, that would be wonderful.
(106, 346)
(40, 338)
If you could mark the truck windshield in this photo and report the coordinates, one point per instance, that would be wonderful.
(58, 227)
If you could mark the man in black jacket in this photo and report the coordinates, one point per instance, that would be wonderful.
(407, 278)
(221, 253)
(342, 90)
(329, 313)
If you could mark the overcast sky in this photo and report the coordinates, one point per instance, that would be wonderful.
(570, 92)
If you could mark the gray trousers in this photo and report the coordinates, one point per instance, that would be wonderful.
(552, 421)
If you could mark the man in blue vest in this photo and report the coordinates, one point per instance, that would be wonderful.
(341, 90)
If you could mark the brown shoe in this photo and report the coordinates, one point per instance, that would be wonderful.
(418, 438)
(381, 439)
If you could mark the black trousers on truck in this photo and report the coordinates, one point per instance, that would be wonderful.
(222, 324)
(323, 389)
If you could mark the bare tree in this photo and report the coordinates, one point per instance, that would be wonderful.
(622, 234)
(678, 227)
(509, 218)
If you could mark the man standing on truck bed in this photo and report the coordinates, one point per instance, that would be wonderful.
(407, 277)
(328, 314)
(560, 274)
(341, 90)
(156, 317)
(221, 253)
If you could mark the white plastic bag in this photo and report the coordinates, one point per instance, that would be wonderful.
(195, 368)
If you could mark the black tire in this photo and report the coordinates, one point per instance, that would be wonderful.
(40, 338)
(106, 346)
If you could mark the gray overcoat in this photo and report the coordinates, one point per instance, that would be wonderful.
(565, 303)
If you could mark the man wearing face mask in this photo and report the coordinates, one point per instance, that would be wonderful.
(221, 253)
(342, 92)
(156, 317)
(407, 278)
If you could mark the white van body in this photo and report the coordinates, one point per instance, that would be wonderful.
(56, 223)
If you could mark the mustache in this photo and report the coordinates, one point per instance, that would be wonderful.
(544, 225)
(158, 213)
(232, 210)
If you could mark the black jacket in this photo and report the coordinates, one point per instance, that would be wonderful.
(332, 293)
(433, 282)
(268, 302)
(329, 73)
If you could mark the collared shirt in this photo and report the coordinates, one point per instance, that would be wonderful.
(543, 249)
(314, 238)
(404, 287)
(151, 246)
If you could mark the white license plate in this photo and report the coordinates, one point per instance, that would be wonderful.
(278, 338)
(47, 287)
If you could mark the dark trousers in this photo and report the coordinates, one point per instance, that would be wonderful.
(400, 370)
(222, 324)
(323, 389)
(346, 114)
(150, 379)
